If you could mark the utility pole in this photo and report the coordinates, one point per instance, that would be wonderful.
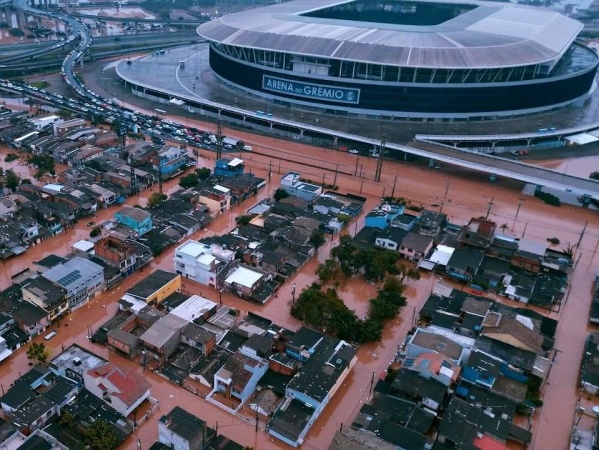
(520, 201)
(219, 139)
(393, 190)
(582, 234)
(269, 169)
(356, 169)
(336, 172)
(491, 203)
(444, 196)
(379, 162)
(133, 179)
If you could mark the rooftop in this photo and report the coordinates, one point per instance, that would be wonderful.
(486, 35)
(437, 343)
(136, 214)
(77, 359)
(194, 308)
(185, 424)
(152, 283)
(129, 386)
(320, 373)
(244, 277)
(163, 330)
(72, 272)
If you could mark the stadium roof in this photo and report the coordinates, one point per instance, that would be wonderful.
(491, 35)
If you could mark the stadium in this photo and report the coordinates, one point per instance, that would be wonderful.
(425, 59)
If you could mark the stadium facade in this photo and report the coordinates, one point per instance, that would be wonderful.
(410, 59)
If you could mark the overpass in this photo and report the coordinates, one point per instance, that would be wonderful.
(494, 139)
(169, 22)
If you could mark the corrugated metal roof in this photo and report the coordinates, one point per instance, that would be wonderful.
(490, 35)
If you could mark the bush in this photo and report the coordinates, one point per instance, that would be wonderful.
(11, 157)
(550, 199)
(15, 32)
(553, 240)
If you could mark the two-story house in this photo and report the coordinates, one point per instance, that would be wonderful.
(135, 218)
(79, 277)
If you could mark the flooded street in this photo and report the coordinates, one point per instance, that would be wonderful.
(468, 195)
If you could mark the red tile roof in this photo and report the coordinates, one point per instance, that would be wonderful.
(130, 386)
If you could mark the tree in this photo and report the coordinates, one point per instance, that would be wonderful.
(12, 180)
(203, 173)
(16, 32)
(100, 436)
(38, 352)
(189, 181)
(406, 271)
(280, 194)
(96, 231)
(243, 220)
(594, 176)
(156, 199)
(317, 238)
(504, 227)
(67, 420)
(327, 271)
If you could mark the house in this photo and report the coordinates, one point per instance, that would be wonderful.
(243, 281)
(303, 344)
(124, 391)
(181, 430)
(325, 204)
(169, 162)
(429, 223)
(413, 386)
(201, 262)
(86, 409)
(415, 247)
(423, 341)
(217, 198)
(239, 376)
(589, 370)
(126, 256)
(229, 167)
(199, 338)
(434, 366)
(464, 426)
(464, 263)
(79, 277)
(292, 184)
(45, 294)
(295, 238)
(516, 331)
(156, 287)
(479, 232)
(74, 362)
(390, 238)
(311, 389)
(164, 336)
(135, 218)
(383, 215)
(29, 317)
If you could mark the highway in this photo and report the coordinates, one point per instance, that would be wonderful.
(90, 104)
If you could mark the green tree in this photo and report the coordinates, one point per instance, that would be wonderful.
(38, 352)
(156, 199)
(406, 271)
(15, 32)
(317, 238)
(381, 309)
(12, 180)
(243, 220)
(327, 271)
(370, 331)
(67, 420)
(280, 194)
(203, 173)
(594, 176)
(100, 436)
(95, 231)
(189, 181)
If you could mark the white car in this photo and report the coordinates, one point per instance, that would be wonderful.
(353, 151)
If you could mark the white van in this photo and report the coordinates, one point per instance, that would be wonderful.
(50, 335)
(247, 148)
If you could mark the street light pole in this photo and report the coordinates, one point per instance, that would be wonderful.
(293, 292)
(520, 201)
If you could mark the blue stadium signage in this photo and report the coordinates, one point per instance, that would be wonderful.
(311, 90)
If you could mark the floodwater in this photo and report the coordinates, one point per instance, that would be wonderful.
(461, 195)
